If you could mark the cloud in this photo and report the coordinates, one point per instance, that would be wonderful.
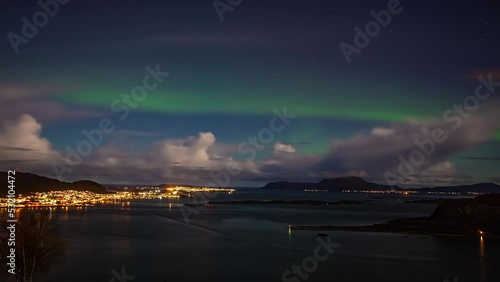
(283, 148)
(383, 149)
(188, 160)
(191, 152)
(44, 110)
(380, 131)
(21, 142)
(11, 91)
(444, 173)
(377, 153)
(16, 99)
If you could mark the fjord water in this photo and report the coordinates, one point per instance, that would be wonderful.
(237, 242)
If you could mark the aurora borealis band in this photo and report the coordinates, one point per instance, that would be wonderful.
(226, 77)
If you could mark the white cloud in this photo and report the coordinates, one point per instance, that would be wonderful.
(286, 148)
(174, 160)
(381, 131)
(21, 143)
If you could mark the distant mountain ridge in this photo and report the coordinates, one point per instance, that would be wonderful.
(26, 183)
(356, 183)
(351, 181)
(331, 184)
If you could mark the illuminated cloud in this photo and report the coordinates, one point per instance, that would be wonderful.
(285, 148)
(22, 145)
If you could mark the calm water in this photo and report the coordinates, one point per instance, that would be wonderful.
(253, 243)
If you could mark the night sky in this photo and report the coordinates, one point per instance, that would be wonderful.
(227, 78)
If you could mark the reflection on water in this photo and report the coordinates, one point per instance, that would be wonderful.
(481, 248)
(66, 213)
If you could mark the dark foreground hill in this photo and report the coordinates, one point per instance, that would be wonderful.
(478, 216)
(26, 183)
